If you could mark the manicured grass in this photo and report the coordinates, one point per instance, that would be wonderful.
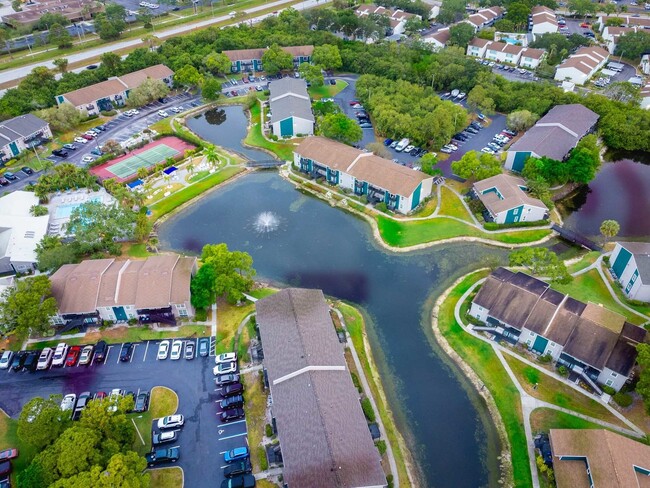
(451, 205)
(228, 319)
(587, 260)
(166, 477)
(9, 439)
(327, 91)
(428, 208)
(163, 402)
(403, 234)
(138, 251)
(589, 287)
(255, 408)
(165, 206)
(557, 393)
(545, 419)
(356, 328)
(482, 359)
(262, 292)
(282, 150)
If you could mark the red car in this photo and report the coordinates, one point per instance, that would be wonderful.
(88, 137)
(585, 25)
(73, 356)
(8, 454)
(245, 79)
(354, 102)
(100, 395)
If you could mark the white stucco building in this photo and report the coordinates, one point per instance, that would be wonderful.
(630, 266)
(581, 66)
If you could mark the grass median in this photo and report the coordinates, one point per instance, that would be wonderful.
(166, 477)
(162, 402)
(480, 356)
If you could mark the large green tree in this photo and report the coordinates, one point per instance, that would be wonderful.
(188, 76)
(52, 253)
(98, 227)
(476, 166)
(633, 45)
(62, 118)
(340, 128)
(149, 90)
(479, 100)
(518, 14)
(233, 270)
(541, 262)
(609, 228)
(60, 36)
(451, 11)
(460, 34)
(28, 306)
(643, 386)
(41, 421)
(110, 24)
(202, 287)
(521, 120)
(328, 56)
(311, 74)
(217, 63)
(211, 88)
(276, 59)
(428, 164)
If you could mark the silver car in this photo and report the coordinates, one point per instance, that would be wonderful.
(5, 360)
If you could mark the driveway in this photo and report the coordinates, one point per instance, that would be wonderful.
(202, 440)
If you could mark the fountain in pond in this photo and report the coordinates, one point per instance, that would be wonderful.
(266, 222)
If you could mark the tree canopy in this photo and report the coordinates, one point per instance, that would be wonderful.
(110, 24)
(229, 274)
(149, 90)
(520, 120)
(97, 227)
(633, 45)
(339, 127)
(609, 228)
(41, 421)
(460, 34)
(28, 306)
(451, 11)
(476, 166)
(328, 56)
(541, 262)
(217, 63)
(643, 386)
(276, 59)
(62, 118)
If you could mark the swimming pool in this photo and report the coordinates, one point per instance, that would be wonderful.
(64, 211)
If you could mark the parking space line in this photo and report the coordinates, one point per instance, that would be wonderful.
(133, 352)
(233, 423)
(223, 452)
(118, 356)
(145, 352)
(232, 436)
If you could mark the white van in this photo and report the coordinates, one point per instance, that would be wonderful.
(402, 145)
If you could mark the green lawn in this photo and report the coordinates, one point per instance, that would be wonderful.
(589, 287)
(9, 439)
(482, 359)
(545, 419)
(228, 319)
(167, 477)
(452, 205)
(357, 330)
(327, 91)
(283, 150)
(255, 408)
(165, 206)
(138, 250)
(403, 234)
(587, 260)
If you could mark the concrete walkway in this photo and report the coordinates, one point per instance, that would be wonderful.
(369, 395)
(268, 473)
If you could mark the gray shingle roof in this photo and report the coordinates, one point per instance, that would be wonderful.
(289, 98)
(555, 134)
(21, 126)
(322, 430)
(641, 252)
(510, 195)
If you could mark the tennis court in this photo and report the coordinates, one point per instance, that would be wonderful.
(126, 167)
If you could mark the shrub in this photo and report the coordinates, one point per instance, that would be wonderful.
(268, 430)
(609, 390)
(381, 446)
(563, 371)
(494, 226)
(547, 358)
(355, 381)
(382, 207)
(367, 409)
(606, 260)
(261, 454)
(201, 315)
(38, 210)
(389, 479)
(623, 399)
(109, 113)
(273, 137)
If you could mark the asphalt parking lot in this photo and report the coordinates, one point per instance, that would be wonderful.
(202, 440)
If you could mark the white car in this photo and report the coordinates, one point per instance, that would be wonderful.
(225, 368)
(114, 398)
(162, 113)
(87, 159)
(86, 354)
(409, 148)
(226, 357)
(68, 402)
(163, 350)
(45, 358)
(177, 349)
(59, 354)
(5, 360)
(487, 150)
(175, 110)
(135, 111)
(81, 140)
(171, 421)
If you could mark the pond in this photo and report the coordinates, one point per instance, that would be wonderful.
(211, 125)
(299, 240)
(620, 191)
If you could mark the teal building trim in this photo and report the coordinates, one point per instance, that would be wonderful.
(286, 127)
(514, 214)
(520, 159)
(415, 200)
(120, 314)
(633, 279)
(14, 148)
(621, 261)
(540, 344)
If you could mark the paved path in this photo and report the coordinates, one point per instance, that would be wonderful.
(251, 369)
(268, 473)
(17, 73)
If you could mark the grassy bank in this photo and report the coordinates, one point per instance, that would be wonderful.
(404, 234)
(356, 328)
(545, 419)
(162, 402)
(167, 477)
(481, 358)
(327, 91)
(228, 319)
(255, 408)
(452, 206)
(283, 150)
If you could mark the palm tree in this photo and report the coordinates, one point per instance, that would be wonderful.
(609, 228)
(142, 173)
(190, 168)
(211, 155)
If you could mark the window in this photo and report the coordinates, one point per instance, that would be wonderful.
(614, 375)
(609, 382)
(552, 344)
(528, 343)
(182, 312)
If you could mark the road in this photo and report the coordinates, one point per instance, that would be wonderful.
(17, 73)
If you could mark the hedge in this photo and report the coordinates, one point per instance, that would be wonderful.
(495, 226)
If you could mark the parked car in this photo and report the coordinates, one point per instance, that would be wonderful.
(226, 379)
(4, 181)
(59, 354)
(125, 353)
(100, 395)
(72, 356)
(5, 469)
(163, 350)
(171, 421)
(224, 368)
(60, 153)
(81, 140)
(68, 402)
(365, 125)
(86, 355)
(96, 151)
(388, 142)
(239, 481)
(226, 357)
(237, 468)
(232, 414)
(100, 351)
(165, 436)
(237, 454)
(27, 170)
(88, 159)
(82, 403)
(176, 350)
(162, 113)
(8, 454)
(10, 176)
(161, 456)
(232, 389)
(70, 147)
(5, 359)
(204, 346)
(88, 137)
(31, 361)
(141, 402)
(189, 350)
(235, 401)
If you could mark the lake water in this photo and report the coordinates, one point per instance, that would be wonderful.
(314, 245)
(620, 191)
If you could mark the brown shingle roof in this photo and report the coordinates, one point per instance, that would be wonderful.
(320, 446)
(512, 196)
(155, 282)
(364, 166)
(76, 286)
(533, 53)
(505, 47)
(585, 59)
(257, 53)
(611, 458)
(89, 94)
(441, 36)
(157, 72)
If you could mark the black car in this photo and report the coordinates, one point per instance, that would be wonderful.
(19, 361)
(60, 153)
(82, 402)
(3, 181)
(232, 390)
(239, 481)
(31, 360)
(235, 469)
(141, 402)
(161, 456)
(10, 176)
(5, 469)
(226, 379)
(232, 402)
(92, 66)
(100, 351)
(125, 352)
(204, 346)
(232, 414)
(27, 170)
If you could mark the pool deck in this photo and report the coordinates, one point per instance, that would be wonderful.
(56, 224)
